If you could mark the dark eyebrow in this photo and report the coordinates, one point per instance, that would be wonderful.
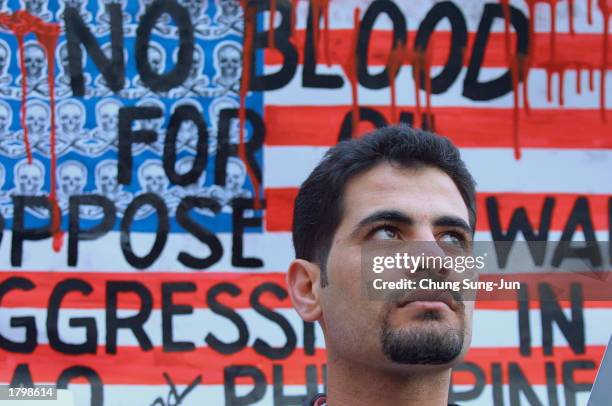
(452, 221)
(394, 216)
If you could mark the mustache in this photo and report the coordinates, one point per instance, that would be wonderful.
(397, 297)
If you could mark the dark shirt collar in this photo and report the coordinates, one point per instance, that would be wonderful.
(320, 400)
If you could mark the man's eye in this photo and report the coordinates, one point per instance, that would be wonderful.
(385, 233)
(453, 238)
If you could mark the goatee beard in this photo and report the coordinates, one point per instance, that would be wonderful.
(421, 345)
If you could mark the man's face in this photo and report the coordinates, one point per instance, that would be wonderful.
(383, 333)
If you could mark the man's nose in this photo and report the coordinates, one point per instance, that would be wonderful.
(423, 233)
(425, 244)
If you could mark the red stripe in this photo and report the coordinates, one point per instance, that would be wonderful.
(279, 213)
(147, 368)
(46, 282)
(580, 48)
(466, 126)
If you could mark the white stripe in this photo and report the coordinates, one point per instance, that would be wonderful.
(341, 15)
(495, 169)
(491, 329)
(275, 249)
(295, 94)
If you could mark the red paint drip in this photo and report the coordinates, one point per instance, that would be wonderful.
(350, 70)
(421, 64)
(590, 11)
(271, 43)
(24, 97)
(520, 65)
(517, 65)
(428, 59)
(552, 65)
(528, 59)
(293, 18)
(524, 70)
(318, 7)
(49, 41)
(418, 58)
(396, 58)
(606, 10)
(22, 23)
(571, 16)
(553, 29)
(247, 50)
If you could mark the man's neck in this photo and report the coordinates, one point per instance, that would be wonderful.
(355, 384)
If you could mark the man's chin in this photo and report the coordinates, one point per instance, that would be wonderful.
(430, 343)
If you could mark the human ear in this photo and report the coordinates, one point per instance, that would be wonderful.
(304, 286)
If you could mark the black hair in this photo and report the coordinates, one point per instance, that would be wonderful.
(318, 206)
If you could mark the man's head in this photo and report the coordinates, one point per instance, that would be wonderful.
(396, 183)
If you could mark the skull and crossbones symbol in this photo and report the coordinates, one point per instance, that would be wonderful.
(29, 178)
(107, 116)
(229, 16)
(228, 63)
(37, 120)
(105, 135)
(108, 185)
(35, 61)
(152, 177)
(64, 66)
(6, 117)
(106, 178)
(5, 57)
(71, 117)
(235, 175)
(197, 12)
(72, 178)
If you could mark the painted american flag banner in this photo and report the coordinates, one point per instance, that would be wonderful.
(150, 153)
